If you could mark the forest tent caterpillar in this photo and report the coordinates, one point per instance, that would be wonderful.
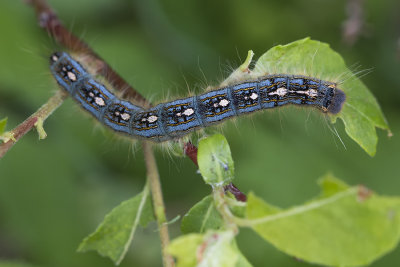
(174, 119)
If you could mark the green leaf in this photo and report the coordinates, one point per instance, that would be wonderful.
(213, 249)
(184, 248)
(114, 235)
(331, 185)
(3, 124)
(241, 260)
(215, 160)
(345, 226)
(201, 217)
(361, 112)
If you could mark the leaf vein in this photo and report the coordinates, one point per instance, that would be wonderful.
(206, 217)
(135, 224)
(305, 208)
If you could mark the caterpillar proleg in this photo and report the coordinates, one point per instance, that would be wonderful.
(174, 119)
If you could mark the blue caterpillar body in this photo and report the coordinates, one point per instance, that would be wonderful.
(172, 120)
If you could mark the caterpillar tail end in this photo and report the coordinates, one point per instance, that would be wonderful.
(337, 102)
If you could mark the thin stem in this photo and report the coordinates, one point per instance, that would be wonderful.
(158, 203)
(222, 205)
(35, 120)
(223, 208)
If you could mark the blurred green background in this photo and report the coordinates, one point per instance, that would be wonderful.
(55, 192)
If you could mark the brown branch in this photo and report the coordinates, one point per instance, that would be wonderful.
(38, 117)
(49, 21)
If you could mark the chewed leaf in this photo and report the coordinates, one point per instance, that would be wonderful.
(114, 235)
(3, 124)
(213, 249)
(345, 226)
(360, 113)
(215, 160)
(202, 217)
